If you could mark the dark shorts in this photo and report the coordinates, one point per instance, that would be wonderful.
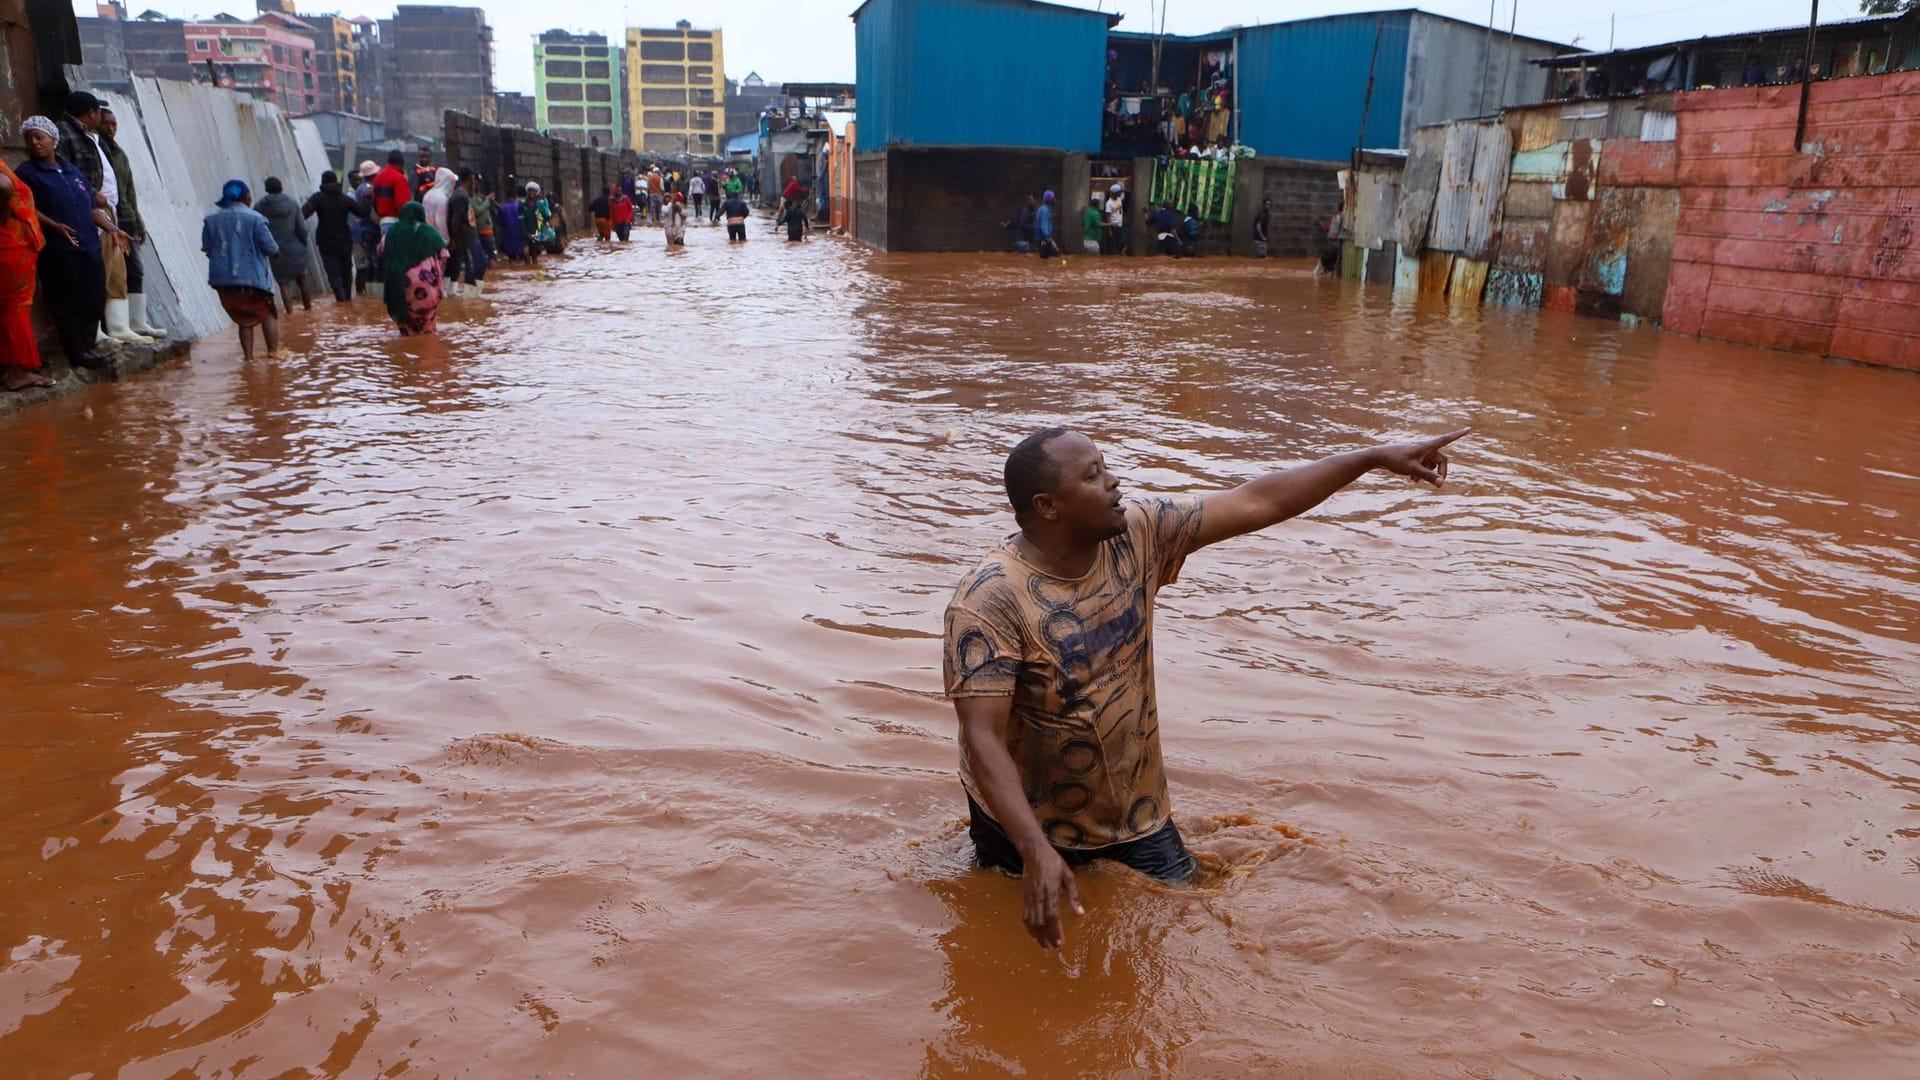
(1161, 854)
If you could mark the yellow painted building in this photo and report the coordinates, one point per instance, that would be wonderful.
(676, 91)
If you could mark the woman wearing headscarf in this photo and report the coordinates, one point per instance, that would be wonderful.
(437, 198)
(20, 242)
(240, 251)
(676, 220)
(73, 279)
(289, 228)
(536, 220)
(534, 223)
(414, 256)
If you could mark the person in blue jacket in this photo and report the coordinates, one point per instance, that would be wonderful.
(240, 254)
(1043, 238)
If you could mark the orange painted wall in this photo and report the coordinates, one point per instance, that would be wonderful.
(1812, 251)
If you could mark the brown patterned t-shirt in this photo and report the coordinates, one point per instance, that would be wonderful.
(1076, 656)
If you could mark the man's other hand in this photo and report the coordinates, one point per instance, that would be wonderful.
(1049, 886)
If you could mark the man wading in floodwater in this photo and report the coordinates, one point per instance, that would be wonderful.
(1049, 656)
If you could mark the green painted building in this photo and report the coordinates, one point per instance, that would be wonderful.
(579, 89)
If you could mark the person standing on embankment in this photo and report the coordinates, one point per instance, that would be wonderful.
(1049, 656)
(73, 278)
(21, 239)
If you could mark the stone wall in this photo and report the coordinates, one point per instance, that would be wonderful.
(512, 156)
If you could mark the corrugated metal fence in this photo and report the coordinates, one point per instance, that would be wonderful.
(183, 142)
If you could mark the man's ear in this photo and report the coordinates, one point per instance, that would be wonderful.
(1043, 506)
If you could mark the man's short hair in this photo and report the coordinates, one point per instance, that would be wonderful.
(396, 157)
(1031, 470)
(466, 173)
(273, 185)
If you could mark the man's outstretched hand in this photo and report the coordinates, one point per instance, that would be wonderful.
(1421, 460)
(1049, 882)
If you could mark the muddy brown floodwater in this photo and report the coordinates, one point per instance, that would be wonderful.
(561, 697)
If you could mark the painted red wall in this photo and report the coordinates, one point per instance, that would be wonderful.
(1818, 251)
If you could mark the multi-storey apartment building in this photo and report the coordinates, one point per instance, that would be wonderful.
(578, 84)
(676, 90)
(269, 60)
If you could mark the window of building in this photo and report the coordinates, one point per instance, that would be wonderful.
(564, 92)
(565, 114)
(700, 75)
(704, 96)
(562, 50)
(704, 119)
(650, 96)
(663, 73)
(699, 33)
(602, 115)
(596, 51)
(662, 50)
(599, 92)
(664, 118)
(598, 69)
(563, 69)
(700, 50)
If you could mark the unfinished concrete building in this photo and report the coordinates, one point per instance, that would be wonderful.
(435, 58)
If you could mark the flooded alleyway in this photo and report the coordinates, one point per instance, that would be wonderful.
(561, 697)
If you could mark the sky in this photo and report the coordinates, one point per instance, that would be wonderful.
(812, 40)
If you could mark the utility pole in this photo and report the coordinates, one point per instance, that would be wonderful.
(1806, 79)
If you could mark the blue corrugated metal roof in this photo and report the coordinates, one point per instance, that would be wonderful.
(979, 73)
(1302, 85)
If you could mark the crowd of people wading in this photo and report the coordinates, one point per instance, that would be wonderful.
(70, 224)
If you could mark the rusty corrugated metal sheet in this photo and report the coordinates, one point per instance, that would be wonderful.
(1492, 158)
(1419, 184)
(1375, 208)
(1450, 203)
(1820, 251)
(1473, 177)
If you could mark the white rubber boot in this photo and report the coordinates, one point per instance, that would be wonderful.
(117, 327)
(137, 317)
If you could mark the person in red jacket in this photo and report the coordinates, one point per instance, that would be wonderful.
(391, 190)
(622, 209)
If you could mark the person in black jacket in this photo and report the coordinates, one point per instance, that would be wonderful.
(467, 262)
(334, 210)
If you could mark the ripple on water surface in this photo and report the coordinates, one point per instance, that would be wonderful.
(563, 693)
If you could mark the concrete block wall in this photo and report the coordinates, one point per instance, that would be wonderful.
(953, 198)
(1304, 193)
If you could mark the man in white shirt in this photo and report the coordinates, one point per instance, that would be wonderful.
(1116, 220)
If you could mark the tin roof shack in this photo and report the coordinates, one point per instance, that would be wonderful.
(1870, 45)
(1314, 89)
(1304, 85)
(967, 106)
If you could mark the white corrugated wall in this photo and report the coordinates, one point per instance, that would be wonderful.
(184, 141)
